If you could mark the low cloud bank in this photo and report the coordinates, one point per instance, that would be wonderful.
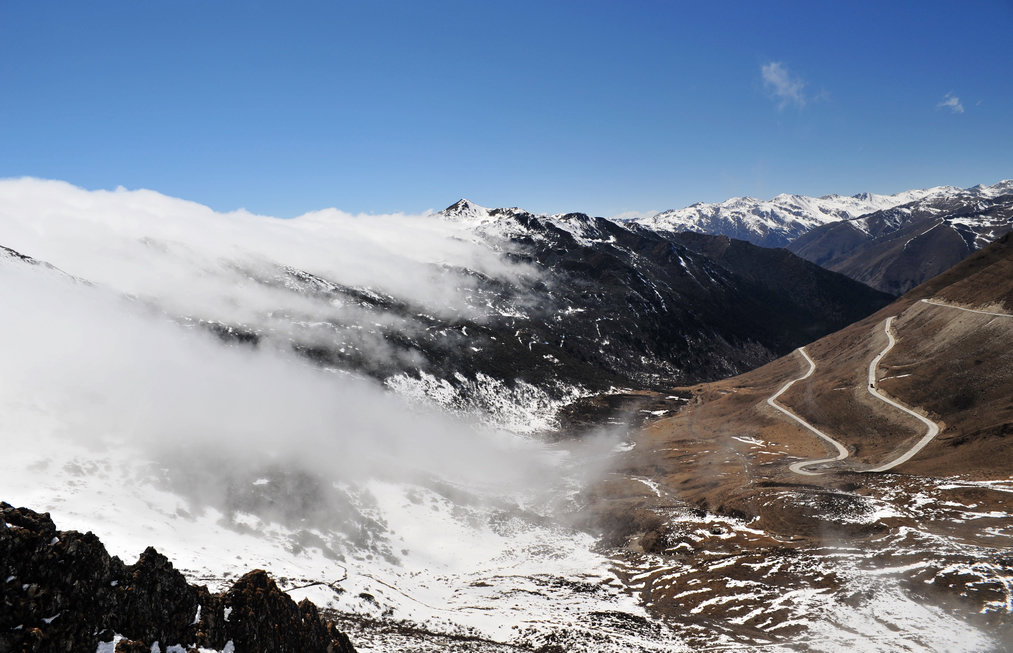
(299, 279)
(91, 355)
(107, 372)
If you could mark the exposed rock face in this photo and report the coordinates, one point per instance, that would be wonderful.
(156, 603)
(57, 588)
(62, 591)
(237, 616)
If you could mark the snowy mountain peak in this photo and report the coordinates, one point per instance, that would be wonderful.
(467, 211)
(1004, 187)
(514, 222)
(465, 208)
(779, 220)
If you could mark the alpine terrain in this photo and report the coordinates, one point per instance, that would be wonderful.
(897, 248)
(890, 242)
(863, 478)
(492, 430)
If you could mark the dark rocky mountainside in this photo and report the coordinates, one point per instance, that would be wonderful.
(600, 305)
(63, 592)
(896, 249)
(621, 305)
(780, 283)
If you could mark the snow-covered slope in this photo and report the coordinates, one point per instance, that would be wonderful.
(514, 222)
(898, 248)
(314, 397)
(782, 219)
(227, 458)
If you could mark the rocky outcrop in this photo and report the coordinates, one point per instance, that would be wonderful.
(61, 591)
(237, 616)
(58, 591)
(156, 604)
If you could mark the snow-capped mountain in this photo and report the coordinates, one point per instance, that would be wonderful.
(898, 248)
(357, 404)
(782, 219)
(494, 312)
(241, 392)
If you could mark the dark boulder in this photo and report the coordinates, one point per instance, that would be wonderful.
(61, 591)
(57, 588)
(156, 602)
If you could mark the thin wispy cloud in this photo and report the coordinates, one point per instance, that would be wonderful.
(782, 85)
(951, 102)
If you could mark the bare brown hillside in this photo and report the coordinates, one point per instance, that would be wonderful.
(726, 455)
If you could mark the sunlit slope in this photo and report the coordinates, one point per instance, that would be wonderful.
(952, 365)
(898, 248)
(732, 488)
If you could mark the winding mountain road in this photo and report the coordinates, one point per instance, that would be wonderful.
(932, 428)
(961, 308)
(799, 467)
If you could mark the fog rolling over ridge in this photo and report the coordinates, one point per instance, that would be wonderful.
(120, 374)
(426, 420)
(108, 342)
(194, 261)
(351, 292)
(160, 388)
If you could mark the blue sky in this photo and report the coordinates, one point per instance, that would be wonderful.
(601, 107)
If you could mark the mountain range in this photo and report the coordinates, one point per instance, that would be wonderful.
(898, 248)
(890, 242)
(547, 308)
(781, 219)
(488, 429)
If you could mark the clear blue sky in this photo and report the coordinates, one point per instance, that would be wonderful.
(601, 107)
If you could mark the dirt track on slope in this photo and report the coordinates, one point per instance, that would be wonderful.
(727, 444)
(724, 510)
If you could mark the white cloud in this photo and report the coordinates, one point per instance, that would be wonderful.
(124, 371)
(785, 87)
(193, 261)
(153, 433)
(951, 102)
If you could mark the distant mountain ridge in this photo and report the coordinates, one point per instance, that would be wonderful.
(780, 220)
(889, 242)
(898, 248)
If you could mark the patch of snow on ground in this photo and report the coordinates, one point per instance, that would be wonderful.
(521, 408)
(462, 561)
